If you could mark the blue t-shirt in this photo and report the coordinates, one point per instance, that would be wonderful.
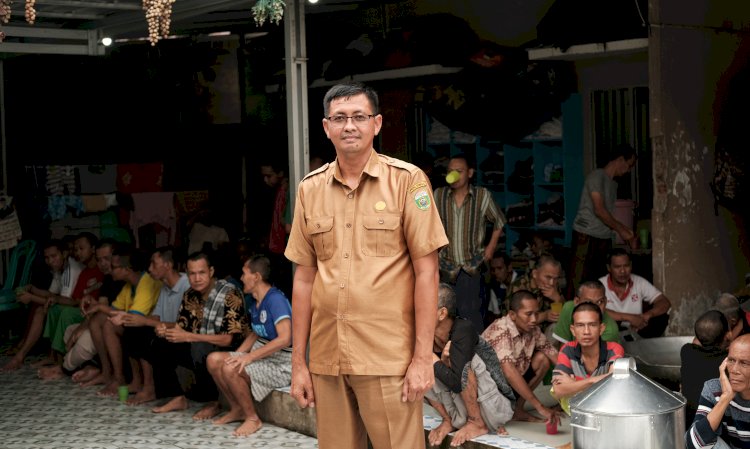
(274, 308)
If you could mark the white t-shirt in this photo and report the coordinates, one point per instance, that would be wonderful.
(640, 291)
(64, 283)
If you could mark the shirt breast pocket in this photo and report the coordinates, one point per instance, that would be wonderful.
(382, 235)
(321, 232)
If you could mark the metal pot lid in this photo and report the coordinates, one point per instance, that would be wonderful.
(626, 392)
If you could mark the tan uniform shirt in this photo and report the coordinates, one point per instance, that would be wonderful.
(362, 242)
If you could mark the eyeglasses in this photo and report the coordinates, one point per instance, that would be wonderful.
(340, 120)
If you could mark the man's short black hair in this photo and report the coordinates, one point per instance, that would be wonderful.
(350, 89)
(468, 159)
(711, 328)
(587, 307)
(624, 150)
(615, 252)
(501, 254)
(516, 300)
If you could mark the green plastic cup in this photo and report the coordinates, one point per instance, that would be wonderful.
(452, 177)
(122, 393)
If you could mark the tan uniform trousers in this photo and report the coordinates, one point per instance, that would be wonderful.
(350, 407)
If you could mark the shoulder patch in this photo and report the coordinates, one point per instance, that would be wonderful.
(417, 186)
(422, 199)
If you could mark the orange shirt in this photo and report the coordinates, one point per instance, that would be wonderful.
(362, 242)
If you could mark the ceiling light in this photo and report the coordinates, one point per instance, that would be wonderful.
(106, 41)
(313, 1)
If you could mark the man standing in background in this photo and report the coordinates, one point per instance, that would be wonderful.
(465, 211)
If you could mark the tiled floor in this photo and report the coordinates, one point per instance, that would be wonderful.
(60, 415)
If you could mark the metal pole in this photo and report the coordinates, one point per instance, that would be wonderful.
(296, 94)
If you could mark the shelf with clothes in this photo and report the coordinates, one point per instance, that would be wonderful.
(544, 178)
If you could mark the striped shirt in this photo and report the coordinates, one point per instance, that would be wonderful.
(570, 359)
(466, 228)
(735, 424)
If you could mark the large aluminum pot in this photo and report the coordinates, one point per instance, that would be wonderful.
(658, 358)
(627, 410)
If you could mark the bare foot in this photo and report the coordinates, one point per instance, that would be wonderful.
(208, 411)
(472, 429)
(13, 350)
(502, 431)
(231, 416)
(437, 435)
(175, 404)
(51, 372)
(14, 364)
(523, 415)
(134, 387)
(99, 379)
(110, 390)
(142, 397)
(85, 374)
(44, 362)
(249, 427)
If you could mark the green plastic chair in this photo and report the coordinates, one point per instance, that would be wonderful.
(25, 251)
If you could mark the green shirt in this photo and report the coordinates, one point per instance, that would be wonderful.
(562, 328)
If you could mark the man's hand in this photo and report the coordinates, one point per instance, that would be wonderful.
(134, 320)
(445, 357)
(24, 298)
(177, 334)
(302, 387)
(489, 251)
(86, 303)
(238, 362)
(551, 292)
(726, 387)
(117, 317)
(419, 378)
(161, 330)
(549, 414)
(638, 322)
(627, 235)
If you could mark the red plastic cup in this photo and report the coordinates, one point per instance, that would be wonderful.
(551, 427)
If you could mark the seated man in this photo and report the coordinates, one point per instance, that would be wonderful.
(628, 295)
(66, 311)
(722, 419)
(138, 296)
(525, 354)
(211, 318)
(494, 289)
(264, 360)
(729, 305)
(139, 329)
(587, 359)
(65, 272)
(79, 346)
(543, 283)
(465, 393)
(700, 361)
(589, 291)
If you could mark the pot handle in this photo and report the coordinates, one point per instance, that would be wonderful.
(622, 367)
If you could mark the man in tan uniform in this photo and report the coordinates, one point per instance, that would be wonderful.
(365, 237)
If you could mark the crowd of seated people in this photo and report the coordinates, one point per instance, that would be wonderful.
(116, 318)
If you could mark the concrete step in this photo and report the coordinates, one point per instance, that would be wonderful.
(280, 409)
